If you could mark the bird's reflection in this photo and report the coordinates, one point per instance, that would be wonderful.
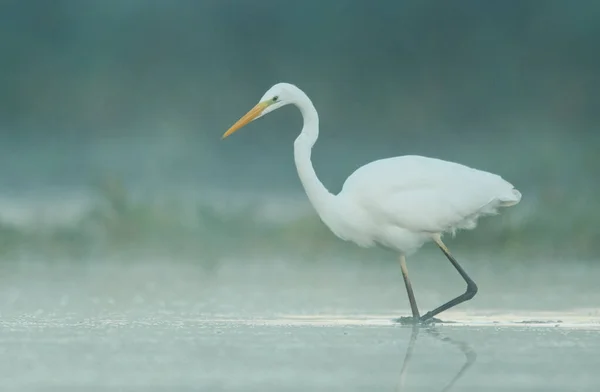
(469, 353)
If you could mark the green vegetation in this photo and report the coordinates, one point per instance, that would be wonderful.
(120, 226)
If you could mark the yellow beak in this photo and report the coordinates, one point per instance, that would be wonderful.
(247, 118)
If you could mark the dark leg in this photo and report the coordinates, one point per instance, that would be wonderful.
(409, 290)
(471, 286)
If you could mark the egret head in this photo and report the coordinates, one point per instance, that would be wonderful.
(277, 96)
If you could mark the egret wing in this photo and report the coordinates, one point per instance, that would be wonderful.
(426, 195)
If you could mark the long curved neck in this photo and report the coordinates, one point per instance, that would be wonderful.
(318, 195)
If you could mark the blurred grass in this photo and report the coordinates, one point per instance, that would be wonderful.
(120, 225)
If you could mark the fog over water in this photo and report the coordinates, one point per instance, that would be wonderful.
(137, 248)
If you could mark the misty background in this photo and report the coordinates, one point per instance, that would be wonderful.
(111, 114)
(137, 248)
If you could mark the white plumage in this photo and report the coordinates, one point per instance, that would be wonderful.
(400, 202)
(407, 199)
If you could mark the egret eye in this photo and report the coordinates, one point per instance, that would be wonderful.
(275, 98)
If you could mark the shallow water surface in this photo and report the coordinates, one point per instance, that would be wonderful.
(178, 352)
(181, 329)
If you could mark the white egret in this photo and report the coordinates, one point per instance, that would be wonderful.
(399, 203)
